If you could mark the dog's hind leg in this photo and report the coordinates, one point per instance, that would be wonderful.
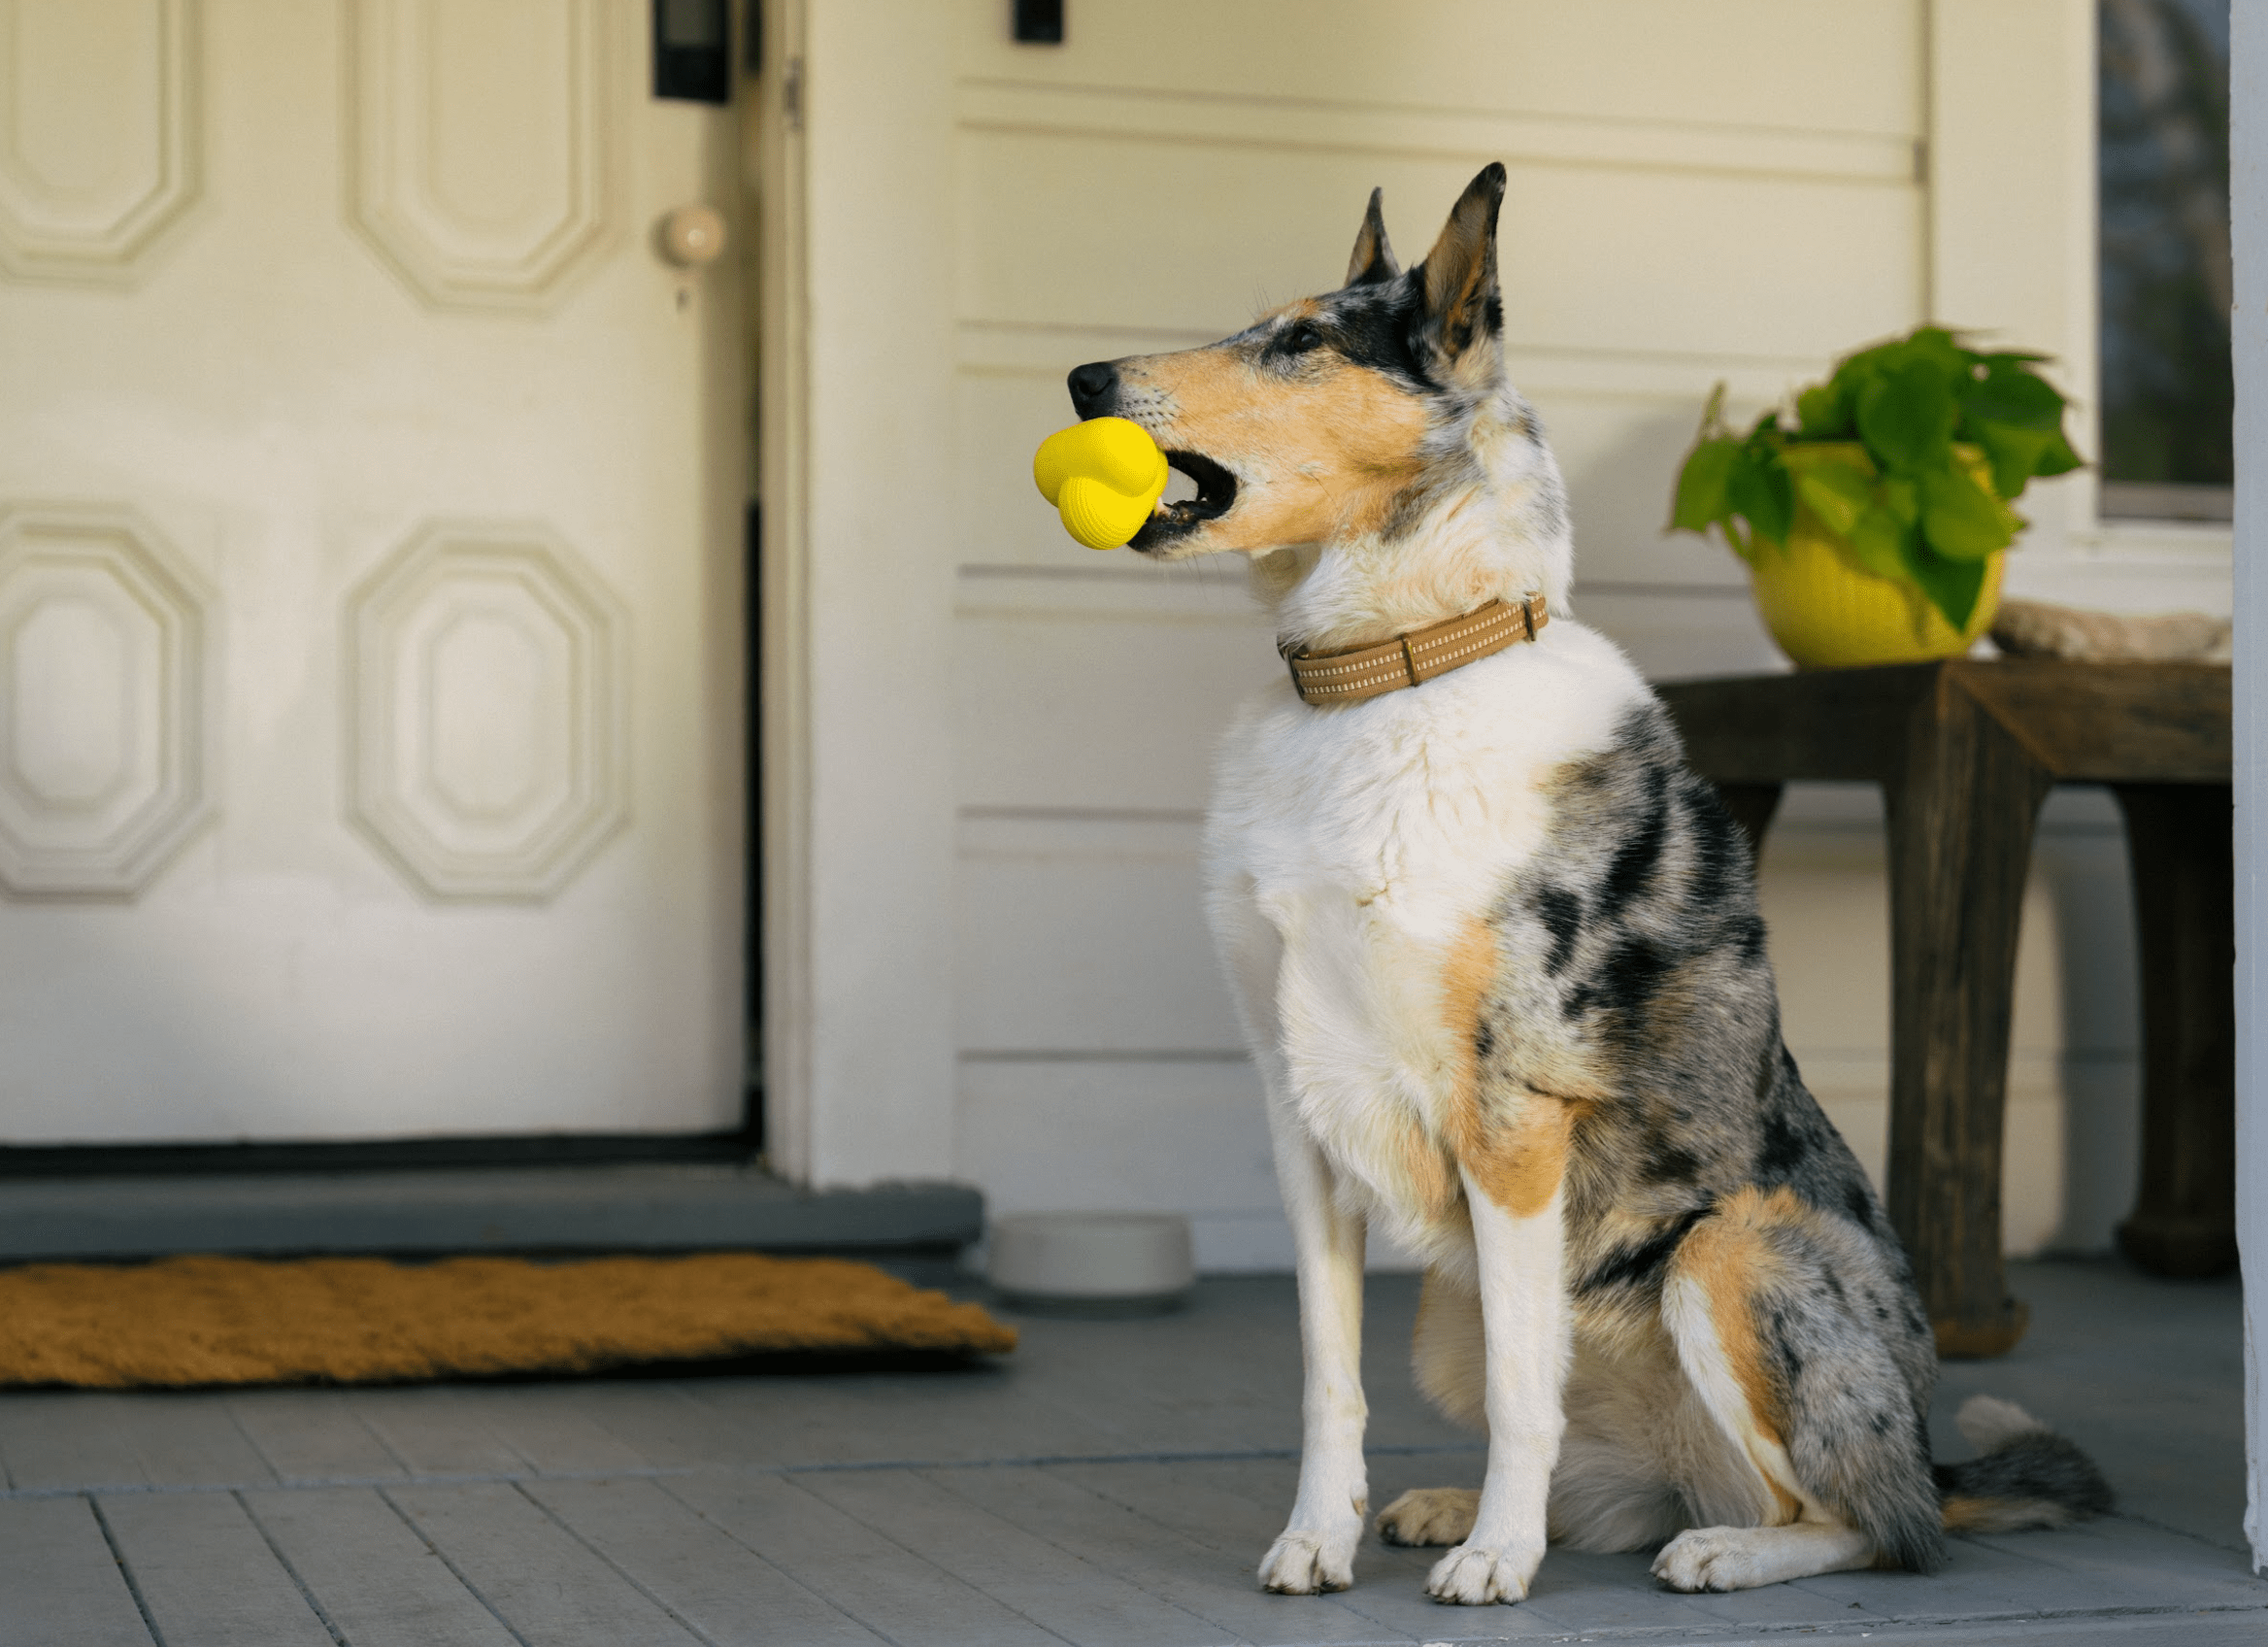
(1823, 1467)
(1449, 1359)
(1316, 1551)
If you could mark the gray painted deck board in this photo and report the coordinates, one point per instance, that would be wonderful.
(663, 1422)
(438, 1430)
(380, 1583)
(1158, 1557)
(540, 1578)
(313, 1436)
(93, 1439)
(883, 1585)
(206, 1572)
(730, 1594)
(551, 1425)
(1076, 1598)
(985, 1414)
(60, 1584)
(850, 1509)
(1979, 1580)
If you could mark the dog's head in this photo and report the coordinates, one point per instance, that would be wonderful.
(1355, 416)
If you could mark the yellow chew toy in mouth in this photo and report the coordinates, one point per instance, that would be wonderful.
(1105, 475)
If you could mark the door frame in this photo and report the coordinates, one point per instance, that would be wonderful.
(854, 112)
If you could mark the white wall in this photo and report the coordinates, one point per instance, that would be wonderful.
(2248, 223)
(1738, 191)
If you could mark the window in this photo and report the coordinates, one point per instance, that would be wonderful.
(2167, 391)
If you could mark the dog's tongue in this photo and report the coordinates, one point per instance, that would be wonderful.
(1104, 477)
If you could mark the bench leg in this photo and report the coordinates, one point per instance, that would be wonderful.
(1961, 816)
(2184, 1221)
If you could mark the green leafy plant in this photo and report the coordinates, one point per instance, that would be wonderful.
(1909, 455)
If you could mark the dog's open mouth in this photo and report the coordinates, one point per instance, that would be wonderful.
(1216, 493)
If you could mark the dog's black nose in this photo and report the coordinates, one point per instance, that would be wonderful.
(1094, 389)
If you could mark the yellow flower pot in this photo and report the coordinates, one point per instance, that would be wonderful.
(1827, 612)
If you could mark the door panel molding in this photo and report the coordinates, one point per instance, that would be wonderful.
(486, 712)
(103, 725)
(99, 148)
(481, 145)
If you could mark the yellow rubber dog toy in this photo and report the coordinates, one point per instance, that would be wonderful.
(1105, 475)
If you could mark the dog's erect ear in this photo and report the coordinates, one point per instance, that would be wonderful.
(1462, 308)
(1374, 259)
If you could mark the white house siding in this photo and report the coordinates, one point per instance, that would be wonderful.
(1738, 190)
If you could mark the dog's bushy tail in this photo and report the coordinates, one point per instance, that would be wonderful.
(2028, 1476)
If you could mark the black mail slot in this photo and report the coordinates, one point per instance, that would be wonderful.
(693, 51)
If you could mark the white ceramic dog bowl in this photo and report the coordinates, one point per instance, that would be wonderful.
(1101, 1263)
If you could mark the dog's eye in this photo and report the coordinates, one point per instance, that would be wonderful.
(1303, 337)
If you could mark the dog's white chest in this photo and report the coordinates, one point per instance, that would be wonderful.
(1365, 843)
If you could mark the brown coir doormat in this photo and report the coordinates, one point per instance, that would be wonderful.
(204, 1320)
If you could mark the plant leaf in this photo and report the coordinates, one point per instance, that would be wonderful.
(2013, 395)
(2015, 453)
(1837, 490)
(1702, 495)
(1822, 412)
(1907, 414)
(1903, 499)
(2060, 458)
(1877, 542)
(1951, 586)
(1959, 519)
(1759, 489)
(1937, 346)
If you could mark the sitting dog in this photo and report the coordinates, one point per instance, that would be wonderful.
(1497, 956)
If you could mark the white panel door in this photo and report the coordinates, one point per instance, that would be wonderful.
(371, 657)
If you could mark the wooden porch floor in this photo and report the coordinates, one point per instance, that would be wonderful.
(1111, 1484)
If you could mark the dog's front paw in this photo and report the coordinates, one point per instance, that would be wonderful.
(1471, 1575)
(1302, 1564)
(1709, 1558)
(1429, 1515)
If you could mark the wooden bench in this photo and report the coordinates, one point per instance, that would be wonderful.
(1965, 752)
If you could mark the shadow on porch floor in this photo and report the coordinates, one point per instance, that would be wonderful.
(1112, 1483)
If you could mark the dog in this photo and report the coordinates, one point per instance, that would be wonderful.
(1497, 953)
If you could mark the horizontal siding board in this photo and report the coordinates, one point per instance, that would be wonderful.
(1591, 255)
(1086, 934)
(1515, 136)
(1127, 1135)
(1791, 65)
(1097, 710)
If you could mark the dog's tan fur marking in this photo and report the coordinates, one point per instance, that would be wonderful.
(1430, 1175)
(1519, 1160)
(1335, 446)
(1466, 973)
(1727, 1256)
(1965, 1514)
(1516, 1158)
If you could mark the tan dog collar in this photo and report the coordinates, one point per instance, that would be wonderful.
(1406, 661)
